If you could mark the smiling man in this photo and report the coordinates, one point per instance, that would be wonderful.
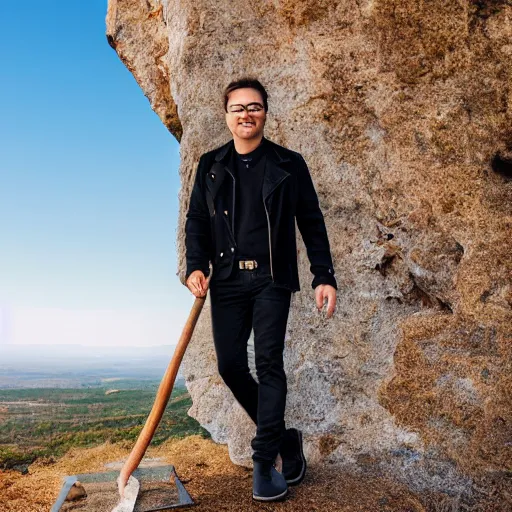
(245, 201)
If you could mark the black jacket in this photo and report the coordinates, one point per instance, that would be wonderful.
(288, 194)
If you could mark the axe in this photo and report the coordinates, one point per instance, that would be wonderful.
(161, 399)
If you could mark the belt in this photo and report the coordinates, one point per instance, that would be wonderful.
(247, 264)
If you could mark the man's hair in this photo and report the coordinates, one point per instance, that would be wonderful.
(242, 83)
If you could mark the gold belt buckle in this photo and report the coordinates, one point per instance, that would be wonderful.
(247, 264)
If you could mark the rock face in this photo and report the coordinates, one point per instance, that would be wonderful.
(403, 112)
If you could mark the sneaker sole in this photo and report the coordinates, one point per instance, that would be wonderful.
(270, 498)
(297, 480)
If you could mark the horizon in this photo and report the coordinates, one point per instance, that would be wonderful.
(44, 356)
(76, 366)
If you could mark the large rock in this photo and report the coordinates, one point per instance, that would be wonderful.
(403, 111)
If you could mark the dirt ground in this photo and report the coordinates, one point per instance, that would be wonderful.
(217, 485)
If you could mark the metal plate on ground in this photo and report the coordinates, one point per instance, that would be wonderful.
(160, 489)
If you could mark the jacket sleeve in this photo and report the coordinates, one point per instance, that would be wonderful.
(312, 228)
(198, 227)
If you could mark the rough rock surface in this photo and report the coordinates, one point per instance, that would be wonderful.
(403, 112)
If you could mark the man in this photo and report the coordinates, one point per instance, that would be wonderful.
(245, 200)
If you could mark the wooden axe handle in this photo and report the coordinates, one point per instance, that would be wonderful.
(161, 399)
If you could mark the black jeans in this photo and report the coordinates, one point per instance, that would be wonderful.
(250, 300)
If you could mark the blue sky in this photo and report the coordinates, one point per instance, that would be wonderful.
(88, 187)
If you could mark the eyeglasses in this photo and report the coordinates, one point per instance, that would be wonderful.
(252, 108)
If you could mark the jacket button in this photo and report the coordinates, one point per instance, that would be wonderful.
(232, 249)
(221, 254)
(225, 212)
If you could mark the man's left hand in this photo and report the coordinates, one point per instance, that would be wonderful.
(325, 292)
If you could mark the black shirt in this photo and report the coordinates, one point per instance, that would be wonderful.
(251, 229)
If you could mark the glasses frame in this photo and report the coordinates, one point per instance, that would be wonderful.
(246, 108)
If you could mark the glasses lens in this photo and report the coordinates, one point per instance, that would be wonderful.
(252, 108)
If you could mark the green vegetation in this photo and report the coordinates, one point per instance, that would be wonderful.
(48, 422)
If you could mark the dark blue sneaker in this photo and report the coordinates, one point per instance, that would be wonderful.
(267, 483)
(294, 462)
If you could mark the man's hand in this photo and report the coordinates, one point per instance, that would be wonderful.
(323, 292)
(197, 283)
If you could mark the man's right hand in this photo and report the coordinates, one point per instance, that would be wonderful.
(197, 283)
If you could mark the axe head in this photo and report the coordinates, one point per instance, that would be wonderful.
(127, 502)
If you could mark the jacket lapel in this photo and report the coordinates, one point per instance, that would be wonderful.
(220, 166)
(224, 151)
(274, 172)
(215, 178)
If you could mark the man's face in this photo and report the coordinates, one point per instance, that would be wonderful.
(244, 125)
